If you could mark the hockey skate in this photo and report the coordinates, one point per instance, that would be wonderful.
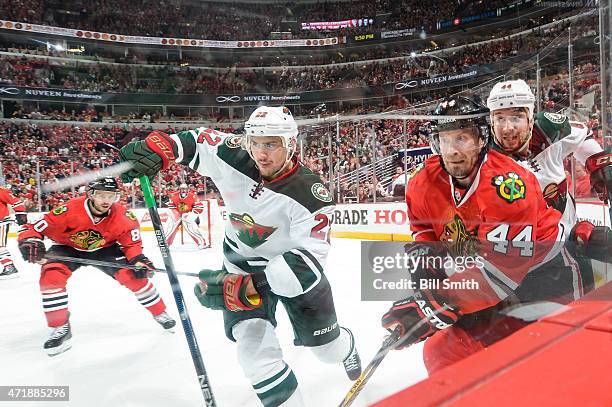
(59, 340)
(352, 363)
(9, 271)
(165, 321)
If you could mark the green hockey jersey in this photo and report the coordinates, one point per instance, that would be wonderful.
(279, 227)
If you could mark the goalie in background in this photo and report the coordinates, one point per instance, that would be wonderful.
(186, 210)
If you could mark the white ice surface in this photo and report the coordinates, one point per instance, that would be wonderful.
(121, 357)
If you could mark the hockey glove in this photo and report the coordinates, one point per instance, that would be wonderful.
(588, 240)
(418, 316)
(221, 290)
(145, 269)
(21, 218)
(32, 249)
(600, 167)
(148, 157)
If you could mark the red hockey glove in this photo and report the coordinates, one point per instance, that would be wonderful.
(145, 269)
(419, 316)
(600, 167)
(220, 290)
(162, 145)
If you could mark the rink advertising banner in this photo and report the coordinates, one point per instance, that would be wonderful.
(414, 156)
(420, 83)
(381, 221)
(335, 25)
(408, 32)
(247, 99)
(511, 8)
(163, 41)
(158, 99)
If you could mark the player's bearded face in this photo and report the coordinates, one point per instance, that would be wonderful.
(269, 155)
(101, 201)
(511, 128)
(460, 150)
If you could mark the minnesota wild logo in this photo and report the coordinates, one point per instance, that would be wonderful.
(320, 192)
(250, 233)
(460, 241)
(88, 239)
(555, 117)
(510, 187)
(59, 210)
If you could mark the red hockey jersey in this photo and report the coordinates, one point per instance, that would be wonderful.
(7, 199)
(184, 205)
(72, 224)
(498, 218)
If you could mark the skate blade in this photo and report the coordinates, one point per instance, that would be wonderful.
(67, 345)
(9, 277)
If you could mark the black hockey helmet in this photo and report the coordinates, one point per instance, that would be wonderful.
(469, 111)
(104, 184)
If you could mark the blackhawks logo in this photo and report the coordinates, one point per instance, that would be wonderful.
(510, 187)
(460, 241)
(88, 239)
(182, 207)
(59, 210)
(321, 193)
(130, 215)
(250, 233)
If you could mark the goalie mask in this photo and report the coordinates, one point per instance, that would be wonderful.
(268, 121)
(512, 96)
(183, 190)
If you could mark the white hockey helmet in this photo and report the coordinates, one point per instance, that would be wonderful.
(267, 121)
(183, 186)
(509, 94)
(272, 121)
(512, 94)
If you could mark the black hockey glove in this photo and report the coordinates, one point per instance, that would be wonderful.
(32, 249)
(588, 240)
(148, 157)
(21, 218)
(418, 316)
(145, 269)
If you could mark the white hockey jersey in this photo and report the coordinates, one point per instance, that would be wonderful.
(550, 171)
(279, 227)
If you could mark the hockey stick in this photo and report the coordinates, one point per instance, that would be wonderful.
(196, 356)
(89, 262)
(87, 177)
(394, 339)
(388, 344)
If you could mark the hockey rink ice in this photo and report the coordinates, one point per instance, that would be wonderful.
(121, 357)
